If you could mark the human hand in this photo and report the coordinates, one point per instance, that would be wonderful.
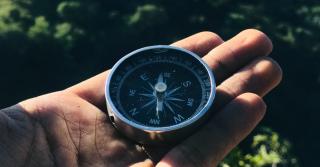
(70, 127)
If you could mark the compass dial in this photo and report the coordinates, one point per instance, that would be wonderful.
(160, 87)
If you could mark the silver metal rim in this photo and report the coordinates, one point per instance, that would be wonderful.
(183, 124)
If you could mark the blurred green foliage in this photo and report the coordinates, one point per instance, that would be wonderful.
(49, 45)
(266, 149)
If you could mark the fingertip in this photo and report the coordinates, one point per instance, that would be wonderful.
(258, 39)
(212, 37)
(251, 104)
(200, 43)
(269, 72)
(208, 40)
(277, 70)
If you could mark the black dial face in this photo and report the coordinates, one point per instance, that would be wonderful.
(160, 88)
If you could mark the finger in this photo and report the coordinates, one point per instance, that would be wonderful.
(92, 89)
(237, 52)
(200, 43)
(259, 77)
(208, 146)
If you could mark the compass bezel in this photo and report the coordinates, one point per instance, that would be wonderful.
(194, 118)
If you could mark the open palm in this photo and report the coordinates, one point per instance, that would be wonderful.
(71, 128)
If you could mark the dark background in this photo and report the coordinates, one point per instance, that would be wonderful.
(48, 45)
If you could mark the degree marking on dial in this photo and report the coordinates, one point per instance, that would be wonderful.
(167, 74)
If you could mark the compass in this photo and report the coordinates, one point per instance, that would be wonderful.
(159, 93)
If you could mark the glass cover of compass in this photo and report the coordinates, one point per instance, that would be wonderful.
(160, 88)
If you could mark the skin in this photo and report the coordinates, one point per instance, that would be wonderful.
(70, 128)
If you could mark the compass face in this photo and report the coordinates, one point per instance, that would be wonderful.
(160, 87)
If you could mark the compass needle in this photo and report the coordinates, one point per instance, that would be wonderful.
(161, 95)
(160, 78)
(159, 107)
